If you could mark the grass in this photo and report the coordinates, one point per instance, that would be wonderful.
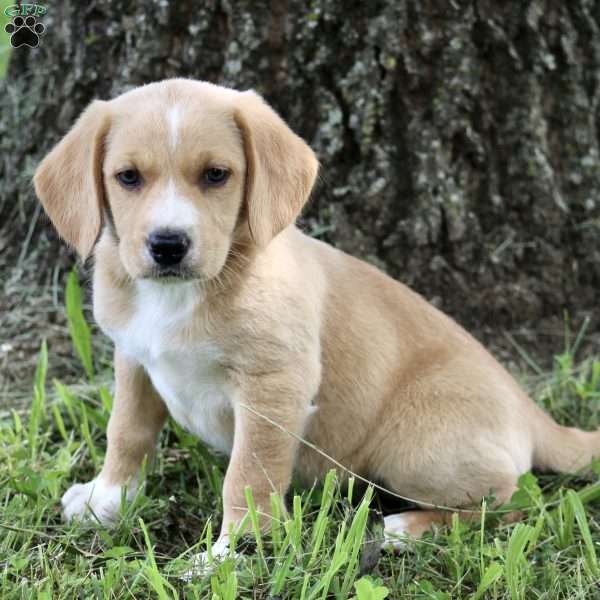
(324, 541)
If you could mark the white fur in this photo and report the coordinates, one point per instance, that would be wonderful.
(395, 531)
(174, 210)
(95, 500)
(190, 379)
(174, 120)
(202, 565)
(160, 309)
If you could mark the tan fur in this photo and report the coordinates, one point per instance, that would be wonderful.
(136, 402)
(322, 344)
(279, 165)
(73, 170)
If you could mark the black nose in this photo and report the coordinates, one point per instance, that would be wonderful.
(168, 247)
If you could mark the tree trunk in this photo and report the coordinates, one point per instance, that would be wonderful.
(459, 140)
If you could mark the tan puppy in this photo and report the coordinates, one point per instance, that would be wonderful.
(230, 319)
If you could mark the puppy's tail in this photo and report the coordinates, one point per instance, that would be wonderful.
(563, 449)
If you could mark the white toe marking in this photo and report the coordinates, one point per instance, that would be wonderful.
(221, 547)
(395, 532)
(202, 565)
(94, 500)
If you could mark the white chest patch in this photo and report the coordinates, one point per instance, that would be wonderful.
(190, 378)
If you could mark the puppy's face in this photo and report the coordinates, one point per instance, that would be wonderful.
(176, 172)
(174, 176)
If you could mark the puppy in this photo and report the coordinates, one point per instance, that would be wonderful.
(253, 336)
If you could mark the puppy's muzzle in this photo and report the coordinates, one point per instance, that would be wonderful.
(168, 247)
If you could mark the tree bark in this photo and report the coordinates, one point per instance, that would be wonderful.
(459, 140)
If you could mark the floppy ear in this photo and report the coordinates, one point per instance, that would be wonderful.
(68, 181)
(280, 168)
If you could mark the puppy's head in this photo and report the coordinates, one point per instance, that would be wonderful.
(177, 171)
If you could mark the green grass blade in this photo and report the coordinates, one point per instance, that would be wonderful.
(152, 572)
(515, 559)
(78, 327)
(356, 536)
(492, 574)
(582, 522)
(255, 521)
(37, 414)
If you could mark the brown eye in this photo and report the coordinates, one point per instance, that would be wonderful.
(215, 176)
(130, 178)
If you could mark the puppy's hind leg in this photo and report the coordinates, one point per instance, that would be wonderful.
(451, 481)
(400, 528)
(410, 524)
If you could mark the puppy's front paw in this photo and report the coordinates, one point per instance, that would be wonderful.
(95, 500)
